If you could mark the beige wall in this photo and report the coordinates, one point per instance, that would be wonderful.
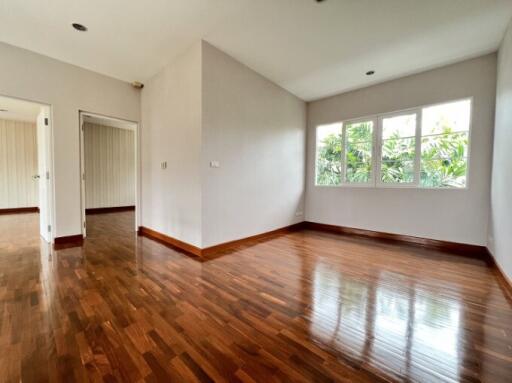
(452, 215)
(18, 163)
(500, 233)
(109, 166)
(257, 132)
(67, 89)
(171, 132)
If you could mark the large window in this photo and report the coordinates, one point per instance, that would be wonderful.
(423, 147)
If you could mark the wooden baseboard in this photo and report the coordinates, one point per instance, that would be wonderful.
(473, 251)
(504, 281)
(105, 210)
(68, 241)
(169, 241)
(212, 250)
(19, 210)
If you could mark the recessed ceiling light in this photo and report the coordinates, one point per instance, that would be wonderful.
(79, 27)
(370, 72)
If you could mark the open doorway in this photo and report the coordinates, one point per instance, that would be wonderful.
(109, 173)
(26, 188)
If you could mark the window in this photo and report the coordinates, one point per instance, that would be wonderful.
(358, 152)
(328, 158)
(444, 144)
(423, 147)
(398, 154)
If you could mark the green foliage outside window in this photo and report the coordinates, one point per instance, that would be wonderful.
(443, 158)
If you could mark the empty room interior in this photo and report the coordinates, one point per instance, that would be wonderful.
(256, 191)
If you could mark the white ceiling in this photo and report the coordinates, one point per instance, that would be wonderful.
(311, 49)
(19, 110)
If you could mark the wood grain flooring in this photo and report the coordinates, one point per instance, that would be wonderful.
(306, 306)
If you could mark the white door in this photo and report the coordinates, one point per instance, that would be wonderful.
(82, 173)
(43, 162)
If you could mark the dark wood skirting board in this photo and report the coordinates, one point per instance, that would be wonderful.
(504, 281)
(68, 241)
(105, 210)
(169, 241)
(212, 250)
(209, 252)
(20, 210)
(474, 251)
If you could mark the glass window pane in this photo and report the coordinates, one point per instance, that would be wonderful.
(398, 171)
(360, 131)
(444, 160)
(328, 154)
(398, 148)
(358, 152)
(399, 126)
(358, 172)
(444, 172)
(445, 146)
(446, 118)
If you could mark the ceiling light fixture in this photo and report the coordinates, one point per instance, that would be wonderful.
(370, 73)
(79, 27)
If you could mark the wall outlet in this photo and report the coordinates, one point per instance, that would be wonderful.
(163, 165)
(214, 164)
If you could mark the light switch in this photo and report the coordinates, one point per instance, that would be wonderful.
(214, 164)
(163, 165)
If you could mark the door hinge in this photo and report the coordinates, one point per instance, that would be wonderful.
(46, 121)
(47, 175)
(49, 228)
(84, 224)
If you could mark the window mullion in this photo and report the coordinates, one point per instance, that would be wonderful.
(377, 157)
(417, 148)
(343, 150)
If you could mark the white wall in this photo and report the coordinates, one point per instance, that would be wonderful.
(109, 166)
(500, 233)
(452, 215)
(18, 163)
(256, 130)
(68, 89)
(171, 119)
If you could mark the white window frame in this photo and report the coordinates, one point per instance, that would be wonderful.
(375, 180)
(371, 181)
(417, 159)
(316, 155)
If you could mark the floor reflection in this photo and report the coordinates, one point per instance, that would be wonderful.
(394, 329)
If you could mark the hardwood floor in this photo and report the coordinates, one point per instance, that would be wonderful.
(307, 306)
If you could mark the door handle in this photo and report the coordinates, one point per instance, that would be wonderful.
(36, 176)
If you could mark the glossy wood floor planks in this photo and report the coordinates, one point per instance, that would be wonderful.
(305, 306)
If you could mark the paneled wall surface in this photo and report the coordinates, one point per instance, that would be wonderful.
(18, 164)
(109, 166)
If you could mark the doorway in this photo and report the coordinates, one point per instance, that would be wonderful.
(109, 171)
(26, 168)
